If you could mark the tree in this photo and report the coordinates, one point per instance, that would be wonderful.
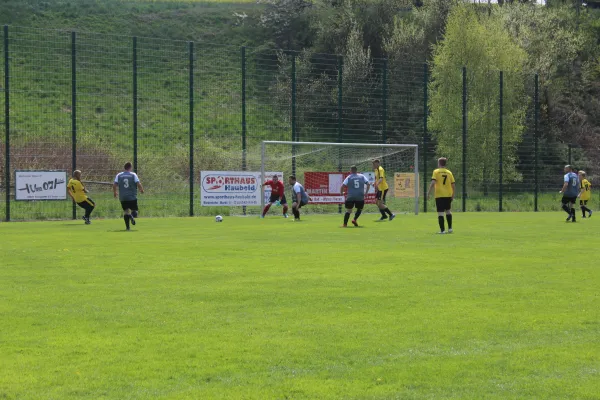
(479, 43)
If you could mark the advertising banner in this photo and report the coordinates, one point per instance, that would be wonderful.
(324, 187)
(40, 185)
(232, 188)
(404, 185)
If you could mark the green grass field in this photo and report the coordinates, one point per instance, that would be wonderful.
(507, 307)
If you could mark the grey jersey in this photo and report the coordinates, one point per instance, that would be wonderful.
(356, 187)
(298, 188)
(127, 182)
(572, 184)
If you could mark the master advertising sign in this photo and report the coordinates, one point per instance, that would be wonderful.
(40, 185)
(232, 188)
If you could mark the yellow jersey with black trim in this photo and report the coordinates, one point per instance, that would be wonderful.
(443, 182)
(586, 189)
(78, 190)
(380, 174)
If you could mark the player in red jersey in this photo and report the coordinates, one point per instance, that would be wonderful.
(277, 196)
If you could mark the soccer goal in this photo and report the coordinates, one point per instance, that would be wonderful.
(322, 168)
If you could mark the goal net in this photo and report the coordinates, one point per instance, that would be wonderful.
(322, 167)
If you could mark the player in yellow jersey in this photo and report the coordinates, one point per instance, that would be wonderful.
(585, 193)
(381, 189)
(442, 182)
(78, 193)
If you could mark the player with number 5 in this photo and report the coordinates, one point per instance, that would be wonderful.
(128, 183)
(442, 182)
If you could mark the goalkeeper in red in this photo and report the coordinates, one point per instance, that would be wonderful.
(277, 196)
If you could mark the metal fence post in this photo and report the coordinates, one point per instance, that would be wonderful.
(6, 123)
(340, 65)
(500, 144)
(464, 140)
(384, 95)
(294, 133)
(74, 110)
(244, 160)
(135, 106)
(191, 105)
(425, 139)
(536, 113)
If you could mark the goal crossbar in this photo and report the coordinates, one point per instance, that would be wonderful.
(264, 144)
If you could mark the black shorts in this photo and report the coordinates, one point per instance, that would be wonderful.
(302, 204)
(443, 203)
(89, 203)
(583, 202)
(350, 204)
(129, 205)
(567, 200)
(275, 197)
(381, 195)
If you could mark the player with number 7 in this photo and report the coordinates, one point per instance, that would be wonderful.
(442, 182)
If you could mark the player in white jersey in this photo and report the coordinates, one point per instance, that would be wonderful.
(299, 197)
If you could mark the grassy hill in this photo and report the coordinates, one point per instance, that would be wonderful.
(41, 96)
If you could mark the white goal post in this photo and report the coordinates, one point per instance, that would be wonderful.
(315, 162)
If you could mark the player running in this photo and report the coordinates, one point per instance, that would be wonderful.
(277, 196)
(355, 185)
(78, 193)
(381, 189)
(442, 181)
(585, 193)
(128, 183)
(299, 195)
(570, 190)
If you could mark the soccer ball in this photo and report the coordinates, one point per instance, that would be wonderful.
(218, 218)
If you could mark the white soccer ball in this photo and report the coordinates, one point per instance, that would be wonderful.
(218, 218)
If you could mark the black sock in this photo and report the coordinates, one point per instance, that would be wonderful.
(346, 217)
(126, 219)
(449, 219)
(358, 212)
(441, 222)
(297, 214)
(382, 213)
(583, 211)
(387, 210)
(564, 207)
(573, 212)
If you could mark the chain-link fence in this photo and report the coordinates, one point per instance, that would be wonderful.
(92, 102)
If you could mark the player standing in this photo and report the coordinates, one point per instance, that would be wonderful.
(442, 181)
(299, 196)
(277, 195)
(355, 184)
(128, 183)
(78, 193)
(570, 190)
(585, 193)
(381, 189)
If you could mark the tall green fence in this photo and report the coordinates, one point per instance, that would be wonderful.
(77, 100)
